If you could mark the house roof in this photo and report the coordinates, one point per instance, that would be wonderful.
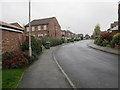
(40, 21)
(10, 27)
(16, 24)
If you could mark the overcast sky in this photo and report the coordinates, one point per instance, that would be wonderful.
(80, 15)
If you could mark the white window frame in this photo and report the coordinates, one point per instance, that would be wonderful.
(33, 28)
(45, 34)
(45, 27)
(40, 35)
(27, 29)
(39, 27)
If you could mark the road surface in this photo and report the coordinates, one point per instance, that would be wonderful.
(87, 67)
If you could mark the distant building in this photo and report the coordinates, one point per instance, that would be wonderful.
(80, 35)
(11, 39)
(47, 27)
(113, 28)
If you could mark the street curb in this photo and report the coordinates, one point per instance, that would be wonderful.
(102, 50)
(66, 76)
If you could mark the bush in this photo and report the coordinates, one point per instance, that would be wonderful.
(76, 39)
(70, 40)
(106, 35)
(105, 42)
(98, 41)
(15, 60)
(35, 44)
(63, 40)
(53, 41)
(18, 59)
(115, 40)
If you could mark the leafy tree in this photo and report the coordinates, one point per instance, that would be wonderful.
(97, 30)
(87, 36)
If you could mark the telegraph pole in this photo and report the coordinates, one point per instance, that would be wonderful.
(30, 49)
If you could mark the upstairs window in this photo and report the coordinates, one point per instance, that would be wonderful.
(45, 27)
(39, 27)
(33, 28)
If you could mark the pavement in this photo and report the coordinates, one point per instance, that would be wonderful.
(44, 73)
(87, 67)
(105, 49)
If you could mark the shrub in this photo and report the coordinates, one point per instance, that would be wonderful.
(106, 35)
(76, 39)
(98, 41)
(115, 40)
(70, 40)
(105, 42)
(63, 40)
(53, 41)
(18, 59)
(35, 44)
(108, 45)
(15, 60)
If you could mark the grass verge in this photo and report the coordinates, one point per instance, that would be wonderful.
(11, 77)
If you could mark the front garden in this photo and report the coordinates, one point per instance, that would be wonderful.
(108, 39)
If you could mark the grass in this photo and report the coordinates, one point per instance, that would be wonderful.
(11, 77)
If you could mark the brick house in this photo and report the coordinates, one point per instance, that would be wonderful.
(47, 27)
(66, 34)
(113, 28)
(11, 37)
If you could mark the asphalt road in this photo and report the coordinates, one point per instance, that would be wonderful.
(87, 67)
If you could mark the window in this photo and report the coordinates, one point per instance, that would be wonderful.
(40, 35)
(39, 27)
(33, 28)
(33, 35)
(27, 29)
(45, 34)
(45, 27)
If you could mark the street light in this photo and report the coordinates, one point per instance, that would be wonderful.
(30, 49)
(119, 16)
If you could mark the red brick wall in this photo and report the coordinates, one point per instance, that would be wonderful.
(54, 29)
(11, 41)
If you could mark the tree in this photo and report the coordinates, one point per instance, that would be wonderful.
(87, 36)
(96, 30)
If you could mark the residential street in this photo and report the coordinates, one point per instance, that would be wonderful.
(87, 67)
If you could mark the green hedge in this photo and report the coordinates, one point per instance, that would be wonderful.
(53, 41)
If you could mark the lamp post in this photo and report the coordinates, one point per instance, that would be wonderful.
(119, 16)
(30, 49)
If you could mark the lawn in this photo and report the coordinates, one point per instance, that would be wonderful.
(11, 77)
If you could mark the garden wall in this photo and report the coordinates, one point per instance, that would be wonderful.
(11, 41)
